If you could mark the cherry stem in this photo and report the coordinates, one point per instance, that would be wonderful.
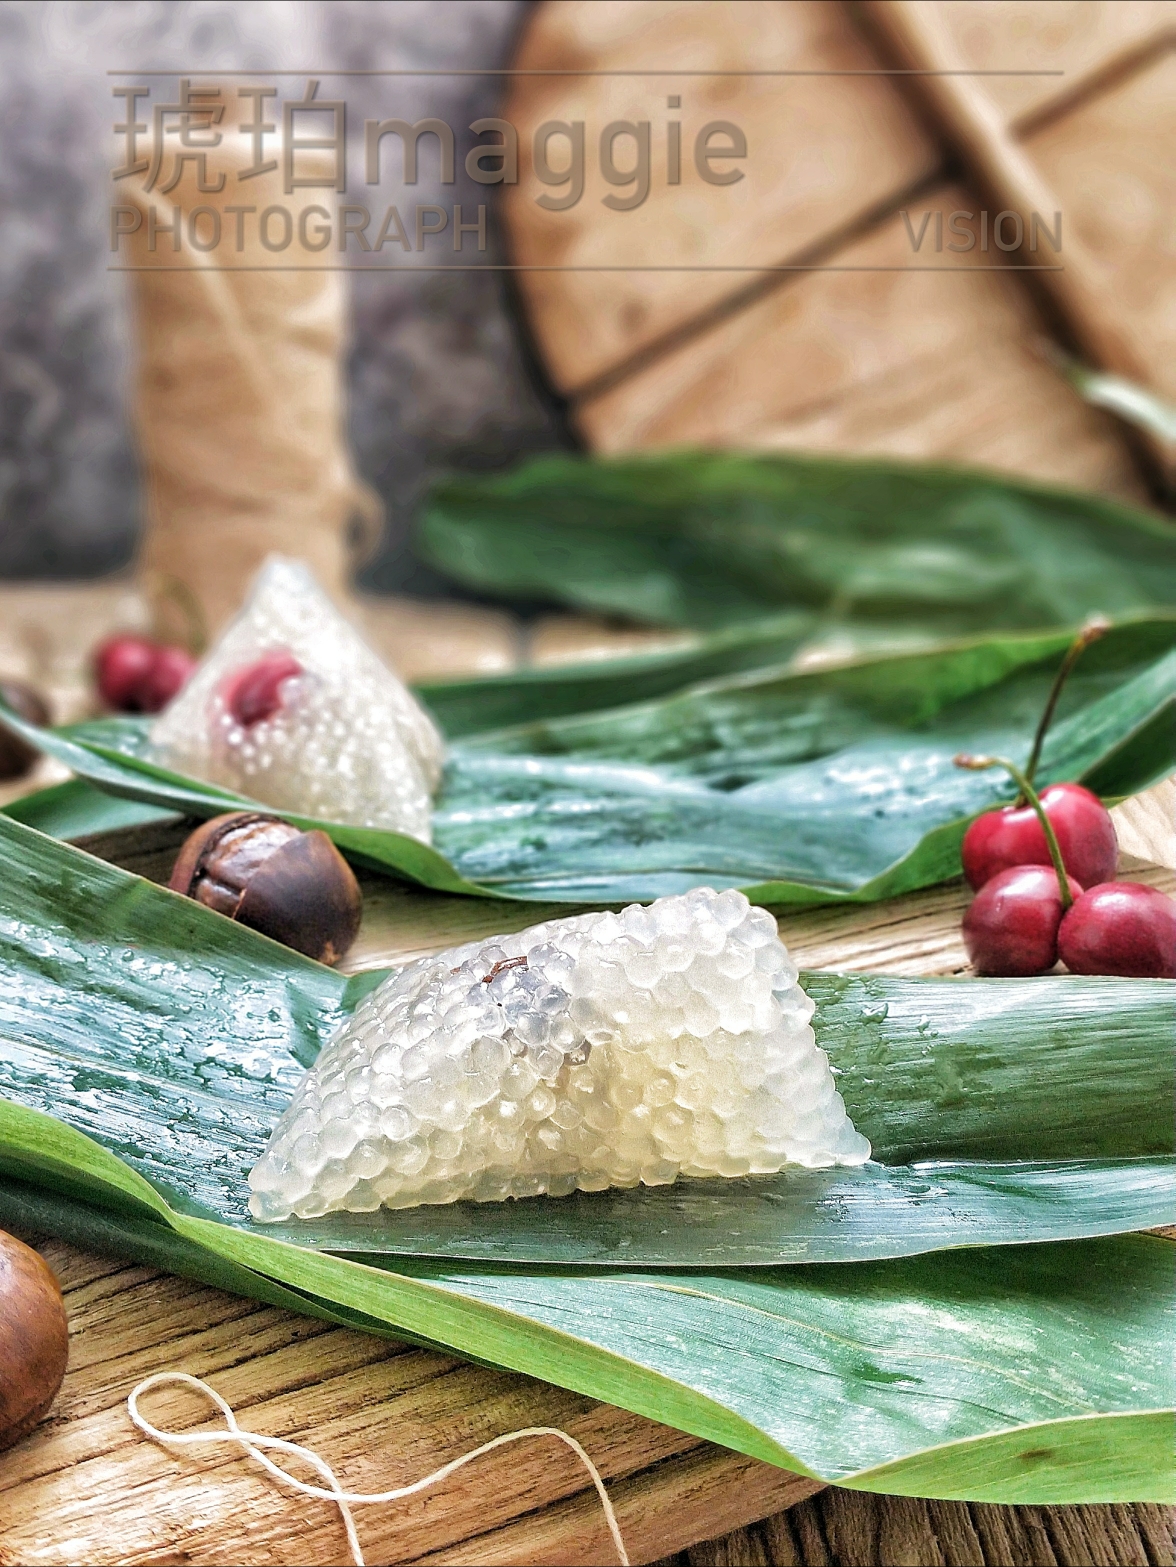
(1094, 628)
(979, 764)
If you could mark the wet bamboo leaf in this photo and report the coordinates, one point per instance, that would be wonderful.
(147, 1045)
(800, 786)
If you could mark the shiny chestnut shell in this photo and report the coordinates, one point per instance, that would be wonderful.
(290, 885)
(16, 755)
(34, 1338)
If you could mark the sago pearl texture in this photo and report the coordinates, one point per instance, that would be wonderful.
(601, 1050)
(347, 743)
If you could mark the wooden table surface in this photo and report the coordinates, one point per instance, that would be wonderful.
(86, 1487)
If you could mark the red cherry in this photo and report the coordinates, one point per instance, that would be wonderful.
(171, 669)
(136, 675)
(121, 665)
(253, 693)
(1014, 836)
(1011, 925)
(1123, 928)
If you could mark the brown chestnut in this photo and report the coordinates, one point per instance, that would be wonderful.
(34, 1338)
(291, 885)
(17, 755)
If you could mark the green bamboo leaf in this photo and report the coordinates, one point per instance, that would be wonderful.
(1024, 1375)
(111, 757)
(858, 554)
(1001, 1111)
(164, 1040)
(708, 539)
(853, 1391)
(44, 1210)
(464, 707)
(76, 809)
(798, 785)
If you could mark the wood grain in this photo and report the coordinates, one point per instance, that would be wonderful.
(891, 362)
(86, 1487)
(1111, 164)
(1084, 39)
(1069, 280)
(823, 152)
(1146, 824)
(917, 365)
(846, 1529)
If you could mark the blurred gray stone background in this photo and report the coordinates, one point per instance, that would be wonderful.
(439, 375)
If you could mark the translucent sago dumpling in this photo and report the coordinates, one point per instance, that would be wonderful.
(602, 1050)
(291, 708)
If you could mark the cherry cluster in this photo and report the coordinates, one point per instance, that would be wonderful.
(136, 675)
(1043, 870)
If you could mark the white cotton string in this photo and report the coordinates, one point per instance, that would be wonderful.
(253, 1442)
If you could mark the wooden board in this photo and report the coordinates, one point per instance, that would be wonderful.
(86, 1487)
(842, 1529)
(1087, 39)
(1111, 163)
(916, 363)
(891, 362)
(868, 149)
